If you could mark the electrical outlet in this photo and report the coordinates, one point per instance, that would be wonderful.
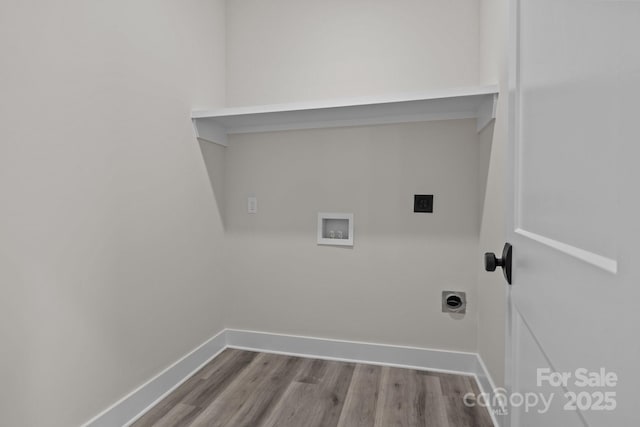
(423, 203)
(252, 205)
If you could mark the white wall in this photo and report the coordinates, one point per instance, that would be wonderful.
(492, 289)
(109, 237)
(110, 240)
(290, 50)
(387, 288)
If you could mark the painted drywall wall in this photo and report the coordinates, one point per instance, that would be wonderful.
(387, 288)
(109, 235)
(300, 50)
(492, 289)
(288, 50)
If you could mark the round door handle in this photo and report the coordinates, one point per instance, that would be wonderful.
(491, 262)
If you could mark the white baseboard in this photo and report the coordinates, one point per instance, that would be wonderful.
(354, 351)
(486, 384)
(135, 404)
(131, 407)
(448, 361)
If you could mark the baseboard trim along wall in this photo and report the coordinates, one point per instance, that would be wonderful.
(497, 408)
(132, 406)
(353, 351)
(135, 404)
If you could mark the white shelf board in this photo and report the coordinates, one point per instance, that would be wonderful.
(459, 103)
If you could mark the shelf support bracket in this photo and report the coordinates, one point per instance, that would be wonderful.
(486, 112)
(210, 131)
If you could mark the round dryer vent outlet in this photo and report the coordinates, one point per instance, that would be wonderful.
(454, 302)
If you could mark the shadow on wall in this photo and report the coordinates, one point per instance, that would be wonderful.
(373, 172)
(214, 160)
(486, 142)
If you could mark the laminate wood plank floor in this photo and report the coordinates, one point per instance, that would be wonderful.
(248, 389)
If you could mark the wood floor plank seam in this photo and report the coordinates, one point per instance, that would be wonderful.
(242, 388)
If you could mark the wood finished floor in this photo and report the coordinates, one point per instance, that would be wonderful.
(247, 389)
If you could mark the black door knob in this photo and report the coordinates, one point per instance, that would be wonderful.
(491, 261)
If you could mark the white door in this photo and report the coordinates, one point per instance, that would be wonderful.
(575, 135)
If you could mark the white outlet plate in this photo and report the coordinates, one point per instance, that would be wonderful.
(252, 205)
